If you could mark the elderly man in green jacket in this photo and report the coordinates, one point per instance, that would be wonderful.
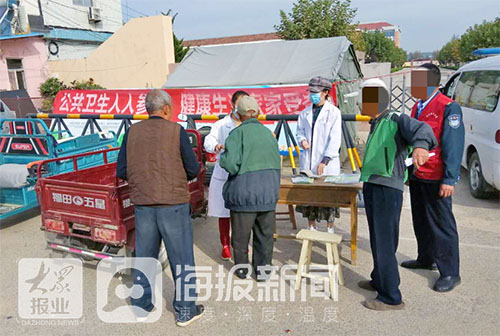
(251, 158)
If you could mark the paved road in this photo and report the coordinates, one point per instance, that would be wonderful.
(472, 309)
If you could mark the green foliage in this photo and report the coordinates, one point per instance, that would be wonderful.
(381, 49)
(415, 55)
(484, 35)
(52, 86)
(85, 85)
(459, 49)
(356, 37)
(179, 50)
(397, 69)
(320, 18)
(449, 53)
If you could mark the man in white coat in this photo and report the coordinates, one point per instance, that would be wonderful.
(214, 143)
(319, 132)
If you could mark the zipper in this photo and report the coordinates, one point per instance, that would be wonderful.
(386, 159)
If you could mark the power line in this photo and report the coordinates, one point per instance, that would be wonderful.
(109, 18)
(82, 10)
(95, 34)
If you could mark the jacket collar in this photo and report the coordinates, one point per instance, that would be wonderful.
(326, 106)
(251, 121)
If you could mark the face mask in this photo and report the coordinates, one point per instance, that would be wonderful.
(315, 98)
(236, 115)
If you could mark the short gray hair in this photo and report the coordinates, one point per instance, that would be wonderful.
(156, 100)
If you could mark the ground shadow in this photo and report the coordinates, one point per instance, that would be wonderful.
(463, 197)
(19, 218)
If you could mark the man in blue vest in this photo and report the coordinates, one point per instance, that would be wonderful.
(433, 184)
(383, 174)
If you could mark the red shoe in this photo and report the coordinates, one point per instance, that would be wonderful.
(226, 253)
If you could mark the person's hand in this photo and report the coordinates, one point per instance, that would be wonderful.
(218, 148)
(321, 168)
(446, 190)
(420, 157)
(305, 144)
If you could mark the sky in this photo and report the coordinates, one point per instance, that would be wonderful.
(426, 25)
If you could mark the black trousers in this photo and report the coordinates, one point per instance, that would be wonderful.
(383, 210)
(262, 226)
(435, 227)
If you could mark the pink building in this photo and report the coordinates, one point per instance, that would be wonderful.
(23, 63)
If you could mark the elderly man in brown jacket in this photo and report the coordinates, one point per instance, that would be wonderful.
(157, 160)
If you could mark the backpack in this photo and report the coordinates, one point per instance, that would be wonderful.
(381, 149)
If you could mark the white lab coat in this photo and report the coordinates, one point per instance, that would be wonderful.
(326, 139)
(218, 134)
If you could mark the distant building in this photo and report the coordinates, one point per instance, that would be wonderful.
(390, 31)
(34, 32)
(73, 28)
(23, 62)
(138, 55)
(232, 39)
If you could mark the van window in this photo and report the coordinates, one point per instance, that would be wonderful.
(484, 95)
(449, 89)
(464, 88)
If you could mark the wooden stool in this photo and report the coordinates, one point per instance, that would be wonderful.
(332, 255)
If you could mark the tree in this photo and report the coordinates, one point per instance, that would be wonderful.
(484, 35)
(381, 49)
(415, 55)
(320, 18)
(179, 50)
(459, 49)
(449, 53)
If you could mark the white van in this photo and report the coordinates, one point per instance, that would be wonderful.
(476, 86)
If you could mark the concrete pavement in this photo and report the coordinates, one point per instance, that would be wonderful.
(471, 309)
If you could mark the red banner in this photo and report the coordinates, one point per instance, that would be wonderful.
(272, 100)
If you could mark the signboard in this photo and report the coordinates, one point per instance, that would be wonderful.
(272, 100)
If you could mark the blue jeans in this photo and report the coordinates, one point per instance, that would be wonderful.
(383, 210)
(172, 223)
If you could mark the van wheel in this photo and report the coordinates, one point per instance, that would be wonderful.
(477, 185)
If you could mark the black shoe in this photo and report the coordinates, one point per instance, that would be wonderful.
(263, 276)
(200, 310)
(415, 264)
(446, 284)
(241, 273)
(366, 285)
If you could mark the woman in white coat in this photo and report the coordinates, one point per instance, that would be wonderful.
(214, 143)
(319, 132)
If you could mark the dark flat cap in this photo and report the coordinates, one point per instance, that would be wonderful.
(318, 84)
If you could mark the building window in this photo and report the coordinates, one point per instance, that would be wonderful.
(16, 74)
(85, 3)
